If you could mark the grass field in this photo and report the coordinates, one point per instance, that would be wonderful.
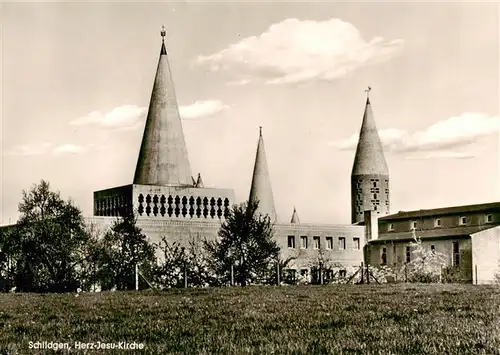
(342, 319)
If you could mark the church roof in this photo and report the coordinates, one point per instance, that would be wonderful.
(369, 158)
(163, 157)
(261, 183)
(455, 232)
(295, 217)
(466, 209)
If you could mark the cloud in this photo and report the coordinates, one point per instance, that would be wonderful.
(68, 149)
(49, 148)
(125, 116)
(132, 116)
(454, 137)
(202, 109)
(295, 51)
(30, 149)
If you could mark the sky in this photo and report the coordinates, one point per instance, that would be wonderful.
(77, 79)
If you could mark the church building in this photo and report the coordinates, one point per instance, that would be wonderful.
(170, 202)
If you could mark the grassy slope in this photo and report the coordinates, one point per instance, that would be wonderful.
(398, 319)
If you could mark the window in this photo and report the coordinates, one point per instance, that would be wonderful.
(342, 273)
(463, 220)
(390, 227)
(375, 196)
(408, 254)
(342, 243)
(456, 254)
(304, 272)
(329, 242)
(433, 249)
(303, 242)
(356, 243)
(375, 184)
(317, 243)
(489, 218)
(437, 222)
(291, 241)
(383, 260)
(413, 225)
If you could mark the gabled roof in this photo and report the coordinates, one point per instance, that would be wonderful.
(484, 207)
(163, 157)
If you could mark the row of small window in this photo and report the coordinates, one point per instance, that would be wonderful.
(455, 253)
(437, 222)
(373, 181)
(375, 207)
(304, 242)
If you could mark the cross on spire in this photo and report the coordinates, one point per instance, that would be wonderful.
(260, 130)
(163, 33)
(368, 91)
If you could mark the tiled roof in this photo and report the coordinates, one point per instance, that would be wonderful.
(484, 207)
(434, 233)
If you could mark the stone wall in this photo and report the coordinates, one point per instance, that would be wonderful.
(486, 255)
(350, 253)
(395, 252)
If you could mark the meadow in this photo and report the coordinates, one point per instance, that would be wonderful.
(340, 319)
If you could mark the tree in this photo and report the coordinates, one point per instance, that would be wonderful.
(178, 261)
(47, 245)
(245, 242)
(425, 265)
(119, 251)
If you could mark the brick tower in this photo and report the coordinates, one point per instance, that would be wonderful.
(261, 183)
(370, 175)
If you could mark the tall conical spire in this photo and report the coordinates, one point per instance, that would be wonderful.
(369, 158)
(370, 175)
(261, 183)
(295, 217)
(199, 182)
(163, 157)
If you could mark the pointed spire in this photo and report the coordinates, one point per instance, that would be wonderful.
(261, 183)
(295, 217)
(163, 157)
(369, 158)
(199, 182)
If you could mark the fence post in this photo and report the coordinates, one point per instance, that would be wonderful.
(362, 273)
(321, 273)
(185, 277)
(367, 274)
(232, 274)
(475, 270)
(278, 273)
(406, 273)
(136, 278)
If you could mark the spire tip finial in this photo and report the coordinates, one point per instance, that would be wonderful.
(260, 130)
(368, 91)
(163, 32)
